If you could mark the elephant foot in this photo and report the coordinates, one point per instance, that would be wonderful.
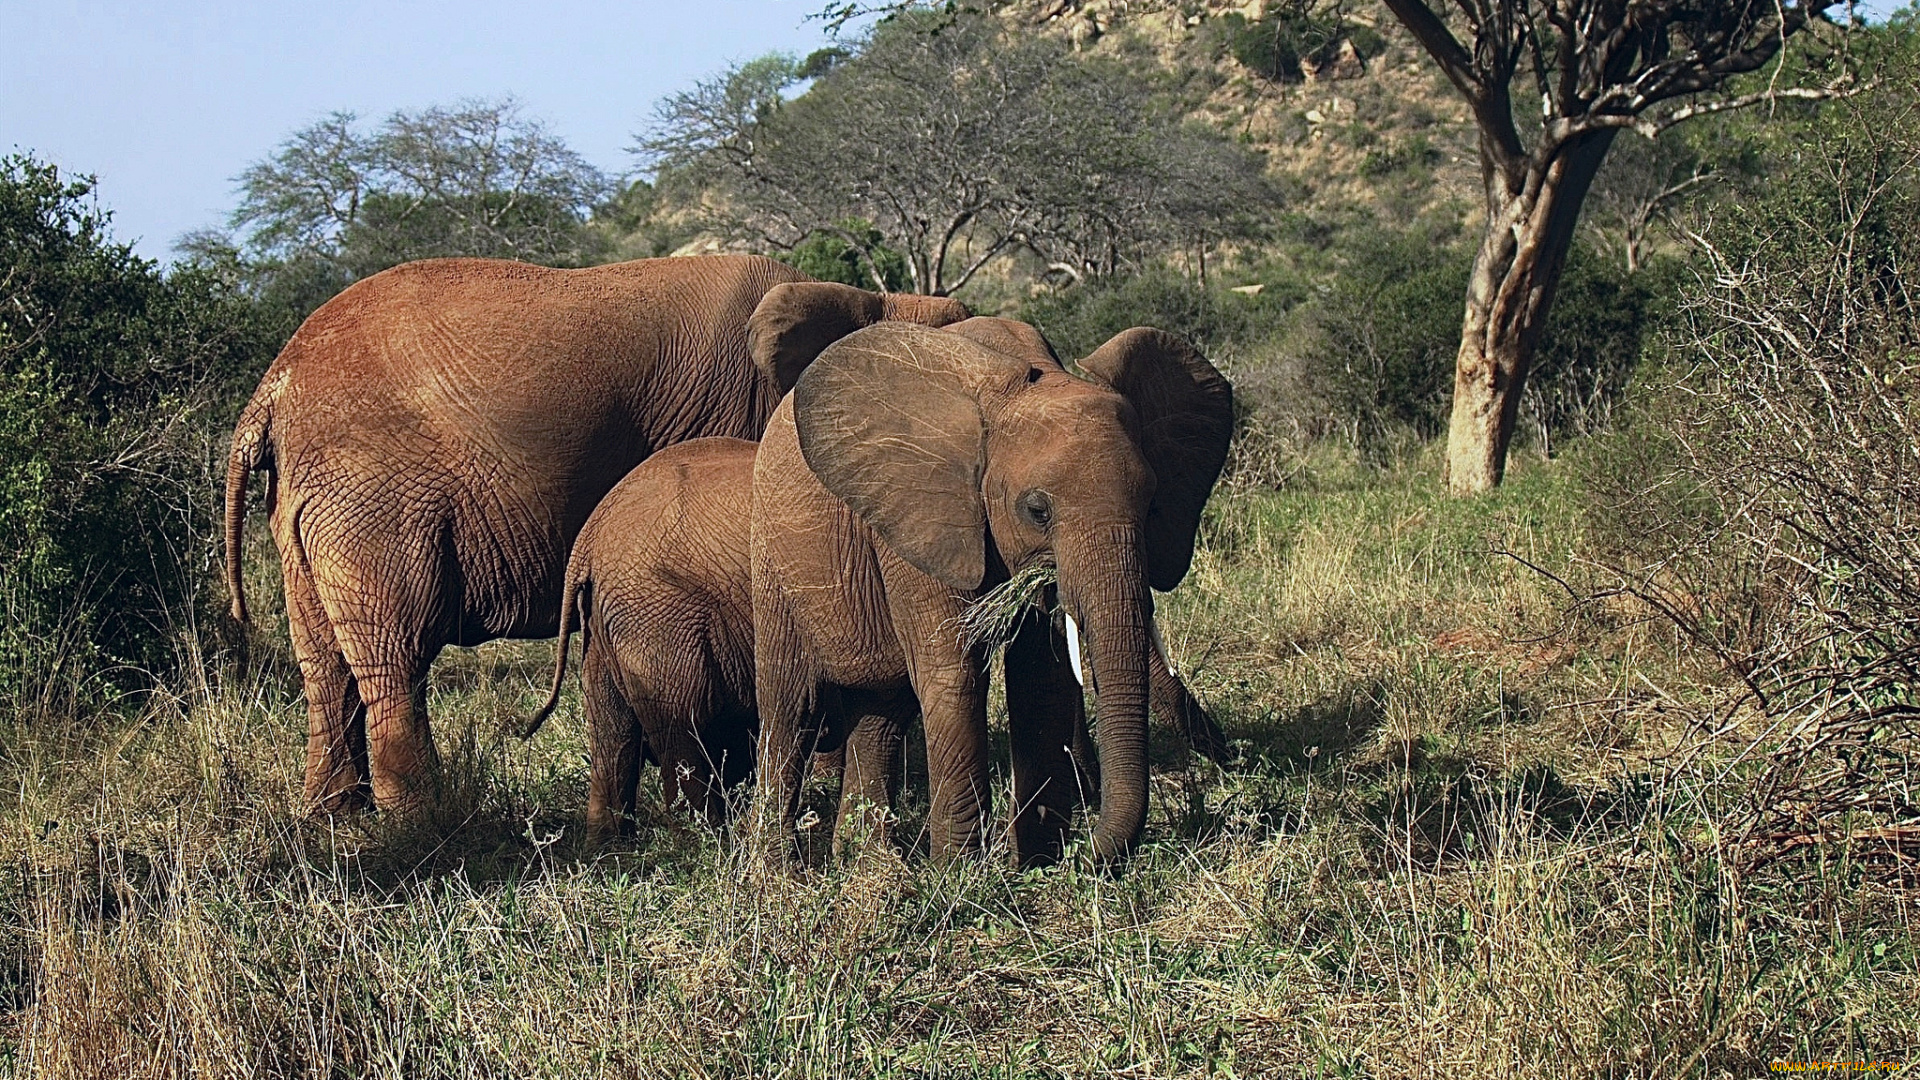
(344, 802)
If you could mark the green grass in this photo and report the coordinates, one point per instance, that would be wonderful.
(1458, 845)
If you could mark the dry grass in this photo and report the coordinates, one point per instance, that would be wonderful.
(1456, 848)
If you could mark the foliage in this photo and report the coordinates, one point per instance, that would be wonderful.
(1386, 337)
(635, 223)
(1603, 317)
(866, 262)
(1775, 529)
(114, 382)
(335, 203)
(1078, 319)
(1597, 68)
(1289, 39)
(956, 141)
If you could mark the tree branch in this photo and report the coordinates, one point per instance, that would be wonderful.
(1440, 43)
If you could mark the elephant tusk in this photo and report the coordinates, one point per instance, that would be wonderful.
(1159, 646)
(1073, 650)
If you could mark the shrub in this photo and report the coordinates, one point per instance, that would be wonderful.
(114, 379)
(1774, 526)
(1385, 336)
(1077, 319)
(1413, 156)
(830, 256)
(1602, 316)
(1380, 342)
(1273, 45)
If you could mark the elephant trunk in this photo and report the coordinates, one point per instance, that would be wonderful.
(1116, 613)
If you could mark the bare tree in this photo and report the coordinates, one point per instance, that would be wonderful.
(1598, 67)
(956, 141)
(1642, 183)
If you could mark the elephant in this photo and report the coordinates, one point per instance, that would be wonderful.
(436, 434)
(657, 584)
(910, 471)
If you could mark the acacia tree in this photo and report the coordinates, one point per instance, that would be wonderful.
(1598, 67)
(952, 141)
(478, 178)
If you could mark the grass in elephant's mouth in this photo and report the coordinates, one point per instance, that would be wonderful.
(1448, 853)
(990, 620)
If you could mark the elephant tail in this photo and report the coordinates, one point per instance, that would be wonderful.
(251, 451)
(573, 602)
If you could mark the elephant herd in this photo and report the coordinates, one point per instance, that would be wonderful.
(460, 450)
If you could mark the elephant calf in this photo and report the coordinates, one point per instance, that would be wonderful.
(657, 584)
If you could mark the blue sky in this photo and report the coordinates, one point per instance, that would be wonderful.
(167, 101)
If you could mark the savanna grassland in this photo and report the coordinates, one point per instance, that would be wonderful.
(1475, 830)
(1613, 770)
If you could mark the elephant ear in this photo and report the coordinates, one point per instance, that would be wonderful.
(795, 320)
(1186, 419)
(889, 419)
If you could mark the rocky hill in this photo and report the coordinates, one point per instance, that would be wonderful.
(1368, 131)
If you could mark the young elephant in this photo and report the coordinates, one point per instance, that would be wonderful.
(657, 583)
(913, 469)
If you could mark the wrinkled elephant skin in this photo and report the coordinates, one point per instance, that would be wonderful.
(437, 434)
(913, 469)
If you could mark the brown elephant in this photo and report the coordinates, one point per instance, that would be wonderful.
(657, 584)
(437, 433)
(910, 471)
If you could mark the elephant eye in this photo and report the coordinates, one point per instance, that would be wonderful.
(1037, 508)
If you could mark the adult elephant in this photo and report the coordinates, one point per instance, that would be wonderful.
(910, 471)
(437, 433)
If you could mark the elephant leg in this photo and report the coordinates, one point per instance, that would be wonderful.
(831, 765)
(400, 750)
(615, 747)
(874, 760)
(954, 712)
(789, 696)
(336, 770)
(687, 778)
(951, 686)
(384, 599)
(1046, 721)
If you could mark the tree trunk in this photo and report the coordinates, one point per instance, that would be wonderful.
(1529, 228)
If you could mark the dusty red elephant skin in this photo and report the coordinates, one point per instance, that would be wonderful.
(437, 433)
(909, 471)
(657, 586)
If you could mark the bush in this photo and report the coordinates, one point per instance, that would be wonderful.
(1079, 318)
(1379, 344)
(1273, 45)
(1775, 527)
(830, 256)
(1385, 335)
(1602, 316)
(114, 383)
(1415, 156)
